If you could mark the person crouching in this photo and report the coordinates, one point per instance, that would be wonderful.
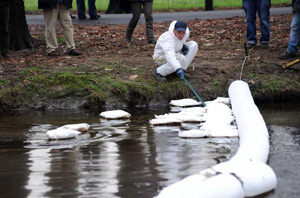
(173, 53)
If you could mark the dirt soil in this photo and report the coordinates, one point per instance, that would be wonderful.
(114, 74)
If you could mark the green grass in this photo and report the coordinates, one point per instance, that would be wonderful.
(31, 5)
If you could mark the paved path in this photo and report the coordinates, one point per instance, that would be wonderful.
(160, 17)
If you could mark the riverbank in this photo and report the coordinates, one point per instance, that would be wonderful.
(113, 74)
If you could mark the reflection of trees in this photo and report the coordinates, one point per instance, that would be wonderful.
(13, 173)
(63, 174)
(137, 175)
(98, 168)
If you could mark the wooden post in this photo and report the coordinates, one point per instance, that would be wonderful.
(209, 5)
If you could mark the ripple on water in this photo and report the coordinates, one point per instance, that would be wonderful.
(108, 129)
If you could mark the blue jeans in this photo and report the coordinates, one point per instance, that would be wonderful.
(81, 8)
(262, 7)
(294, 34)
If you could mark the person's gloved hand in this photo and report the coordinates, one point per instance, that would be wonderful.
(185, 49)
(180, 73)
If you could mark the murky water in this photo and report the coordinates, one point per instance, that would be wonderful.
(284, 126)
(119, 159)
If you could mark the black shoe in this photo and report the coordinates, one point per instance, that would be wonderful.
(73, 52)
(98, 16)
(287, 55)
(250, 46)
(159, 77)
(265, 45)
(53, 54)
(152, 42)
(94, 17)
(5, 55)
(82, 18)
(128, 40)
(72, 17)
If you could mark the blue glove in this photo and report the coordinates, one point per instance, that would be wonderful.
(185, 49)
(180, 73)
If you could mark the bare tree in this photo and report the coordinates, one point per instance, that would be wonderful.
(20, 37)
(118, 6)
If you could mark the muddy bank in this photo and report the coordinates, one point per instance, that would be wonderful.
(112, 74)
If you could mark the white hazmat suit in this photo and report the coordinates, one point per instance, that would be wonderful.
(167, 52)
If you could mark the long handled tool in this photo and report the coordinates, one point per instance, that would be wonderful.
(246, 57)
(194, 91)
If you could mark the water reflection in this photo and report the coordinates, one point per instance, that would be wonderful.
(98, 167)
(63, 173)
(178, 158)
(14, 172)
(284, 114)
(284, 158)
(137, 174)
(116, 159)
(39, 166)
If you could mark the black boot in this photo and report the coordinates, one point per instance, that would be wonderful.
(128, 36)
(159, 77)
(287, 55)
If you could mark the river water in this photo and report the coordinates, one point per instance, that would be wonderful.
(127, 158)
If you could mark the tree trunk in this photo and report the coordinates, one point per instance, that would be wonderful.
(209, 5)
(20, 37)
(118, 7)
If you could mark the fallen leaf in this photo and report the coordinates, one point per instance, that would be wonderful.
(133, 77)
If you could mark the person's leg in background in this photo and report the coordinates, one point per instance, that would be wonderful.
(81, 9)
(264, 18)
(66, 21)
(149, 21)
(294, 39)
(51, 16)
(136, 8)
(294, 34)
(93, 10)
(250, 10)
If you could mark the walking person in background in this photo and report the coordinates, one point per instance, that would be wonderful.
(136, 8)
(173, 53)
(4, 28)
(58, 10)
(72, 17)
(294, 40)
(91, 9)
(262, 7)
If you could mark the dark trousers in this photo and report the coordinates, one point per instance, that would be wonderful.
(91, 8)
(4, 29)
(136, 8)
(262, 7)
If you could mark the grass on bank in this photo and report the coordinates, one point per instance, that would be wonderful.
(31, 5)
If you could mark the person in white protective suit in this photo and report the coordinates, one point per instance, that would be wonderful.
(173, 53)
